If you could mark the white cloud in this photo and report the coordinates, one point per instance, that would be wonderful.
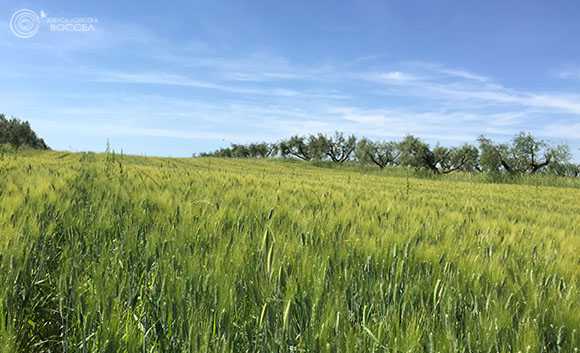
(464, 74)
(571, 73)
(397, 77)
(480, 89)
(441, 70)
(561, 130)
(161, 78)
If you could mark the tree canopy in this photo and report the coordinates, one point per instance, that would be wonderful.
(19, 133)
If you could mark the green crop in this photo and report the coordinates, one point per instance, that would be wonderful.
(105, 253)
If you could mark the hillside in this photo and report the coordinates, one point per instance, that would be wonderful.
(104, 253)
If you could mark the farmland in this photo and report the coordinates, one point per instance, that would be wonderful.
(104, 253)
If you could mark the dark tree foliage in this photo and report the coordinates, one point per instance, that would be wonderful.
(441, 160)
(296, 146)
(525, 154)
(253, 150)
(19, 133)
(240, 151)
(317, 147)
(464, 158)
(415, 153)
(380, 153)
(262, 150)
(338, 147)
(493, 156)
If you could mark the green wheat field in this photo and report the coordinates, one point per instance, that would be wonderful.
(105, 253)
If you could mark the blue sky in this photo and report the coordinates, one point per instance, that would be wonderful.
(181, 77)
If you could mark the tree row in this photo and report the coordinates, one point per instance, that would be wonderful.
(523, 154)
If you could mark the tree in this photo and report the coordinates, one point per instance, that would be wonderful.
(493, 156)
(416, 154)
(571, 169)
(526, 154)
(337, 147)
(441, 160)
(296, 146)
(531, 154)
(318, 147)
(240, 151)
(464, 158)
(379, 153)
(262, 150)
(19, 133)
(253, 150)
(560, 161)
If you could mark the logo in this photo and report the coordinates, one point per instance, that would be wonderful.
(24, 23)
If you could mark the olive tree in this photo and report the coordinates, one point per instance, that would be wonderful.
(525, 154)
(338, 147)
(381, 153)
(296, 146)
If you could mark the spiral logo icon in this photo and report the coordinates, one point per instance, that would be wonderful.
(24, 23)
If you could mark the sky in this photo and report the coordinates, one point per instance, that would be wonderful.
(182, 77)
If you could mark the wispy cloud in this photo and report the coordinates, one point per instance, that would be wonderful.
(396, 77)
(477, 89)
(464, 74)
(115, 129)
(170, 79)
(571, 73)
(440, 71)
(454, 125)
(569, 130)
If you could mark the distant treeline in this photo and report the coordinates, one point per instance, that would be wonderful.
(18, 133)
(524, 154)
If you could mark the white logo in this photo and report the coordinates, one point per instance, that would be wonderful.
(24, 23)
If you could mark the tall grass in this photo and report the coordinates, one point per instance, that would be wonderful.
(135, 254)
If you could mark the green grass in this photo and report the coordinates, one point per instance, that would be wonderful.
(137, 254)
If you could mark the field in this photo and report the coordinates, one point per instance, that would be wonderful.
(104, 253)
